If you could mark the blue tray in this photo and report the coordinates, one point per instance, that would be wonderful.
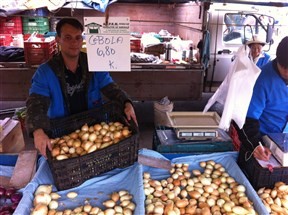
(8, 160)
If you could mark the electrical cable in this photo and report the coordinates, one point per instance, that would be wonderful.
(247, 157)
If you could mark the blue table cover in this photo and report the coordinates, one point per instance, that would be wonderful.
(227, 159)
(98, 188)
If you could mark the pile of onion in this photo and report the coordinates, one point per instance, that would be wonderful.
(275, 199)
(9, 200)
(46, 202)
(88, 139)
(206, 192)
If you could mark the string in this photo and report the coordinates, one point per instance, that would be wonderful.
(247, 157)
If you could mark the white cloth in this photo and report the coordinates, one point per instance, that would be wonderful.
(236, 90)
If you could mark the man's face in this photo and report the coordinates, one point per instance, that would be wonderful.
(256, 49)
(283, 71)
(70, 41)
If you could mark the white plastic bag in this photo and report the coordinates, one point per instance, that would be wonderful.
(236, 90)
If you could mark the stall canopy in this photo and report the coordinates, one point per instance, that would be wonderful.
(277, 3)
(10, 7)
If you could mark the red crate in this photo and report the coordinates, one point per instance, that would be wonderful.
(10, 25)
(135, 45)
(26, 36)
(37, 53)
(5, 39)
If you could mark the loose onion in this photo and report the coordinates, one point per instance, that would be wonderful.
(85, 128)
(72, 195)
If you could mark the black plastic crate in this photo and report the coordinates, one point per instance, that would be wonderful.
(72, 172)
(260, 176)
(175, 145)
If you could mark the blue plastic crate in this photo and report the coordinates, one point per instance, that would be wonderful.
(8, 159)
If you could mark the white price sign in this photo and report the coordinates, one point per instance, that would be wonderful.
(108, 44)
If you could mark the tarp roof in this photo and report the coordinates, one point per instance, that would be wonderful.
(277, 3)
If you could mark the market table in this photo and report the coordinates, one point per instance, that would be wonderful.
(130, 179)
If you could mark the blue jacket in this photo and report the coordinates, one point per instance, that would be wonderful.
(46, 83)
(265, 58)
(269, 103)
(48, 96)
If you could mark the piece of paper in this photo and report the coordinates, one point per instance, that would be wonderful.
(108, 44)
(271, 163)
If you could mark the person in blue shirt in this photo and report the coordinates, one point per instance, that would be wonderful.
(259, 57)
(64, 86)
(268, 109)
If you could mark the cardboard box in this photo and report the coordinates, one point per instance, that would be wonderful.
(11, 136)
(24, 170)
(24, 164)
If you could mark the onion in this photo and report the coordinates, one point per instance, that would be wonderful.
(2, 191)
(5, 213)
(14, 206)
(9, 192)
(16, 197)
(5, 209)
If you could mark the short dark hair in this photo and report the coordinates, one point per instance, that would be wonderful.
(281, 52)
(71, 21)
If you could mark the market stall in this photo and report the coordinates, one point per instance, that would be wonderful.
(145, 82)
(97, 190)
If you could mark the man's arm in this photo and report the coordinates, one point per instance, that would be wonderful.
(37, 108)
(115, 93)
(251, 138)
(250, 135)
(37, 121)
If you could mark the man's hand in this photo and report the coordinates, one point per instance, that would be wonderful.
(262, 153)
(41, 141)
(130, 113)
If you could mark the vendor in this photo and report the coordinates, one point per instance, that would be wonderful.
(259, 57)
(268, 109)
(64, 86)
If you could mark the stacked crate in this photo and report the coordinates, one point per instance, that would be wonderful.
(37, 52)
(35, 24)
(9, 28)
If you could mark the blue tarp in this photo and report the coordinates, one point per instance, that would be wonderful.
(6, 171)
(227, 159)
(97, 189)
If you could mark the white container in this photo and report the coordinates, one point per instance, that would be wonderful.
(18, 41)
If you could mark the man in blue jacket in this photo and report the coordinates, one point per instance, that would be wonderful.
(64, 86)
(268, 109)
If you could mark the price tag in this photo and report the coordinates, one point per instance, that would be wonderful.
(108, 44)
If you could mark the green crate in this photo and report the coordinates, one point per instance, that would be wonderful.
(221, 144)
(32, 24)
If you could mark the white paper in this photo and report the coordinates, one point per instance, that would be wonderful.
(108, 44)
(271, 163)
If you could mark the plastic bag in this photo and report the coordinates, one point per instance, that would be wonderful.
(236, 90)
(161, 108)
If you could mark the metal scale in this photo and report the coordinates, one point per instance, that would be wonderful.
(194, 125)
